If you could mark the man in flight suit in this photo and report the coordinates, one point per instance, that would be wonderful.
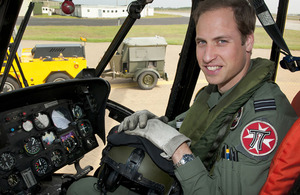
(228, 137)
(231, 132)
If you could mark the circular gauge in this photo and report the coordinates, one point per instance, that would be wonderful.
(40, 166)
(57, 158)
(77, 112)
(7, 161)
(41, 121)
(32, 145)
(13, 180)
(27, 125)
(85, 128)
(61, 118)
(69, 144)
(68, 141)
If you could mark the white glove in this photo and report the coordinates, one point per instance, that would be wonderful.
(162, 136)
(139, 118)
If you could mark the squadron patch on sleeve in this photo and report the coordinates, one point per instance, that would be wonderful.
(259, 138)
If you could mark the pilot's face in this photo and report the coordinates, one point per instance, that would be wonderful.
(220, 53)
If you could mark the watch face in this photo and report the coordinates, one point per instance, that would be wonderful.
(188, 158)
(185, 159)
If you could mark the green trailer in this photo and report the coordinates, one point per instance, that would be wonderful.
(140, 58)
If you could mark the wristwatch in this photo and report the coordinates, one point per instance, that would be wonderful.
(185, 159)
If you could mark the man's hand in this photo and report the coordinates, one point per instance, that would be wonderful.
(139, 118)
(162, 136)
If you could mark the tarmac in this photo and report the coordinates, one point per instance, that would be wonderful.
(127, 92)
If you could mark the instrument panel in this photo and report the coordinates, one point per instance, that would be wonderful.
(49, 131)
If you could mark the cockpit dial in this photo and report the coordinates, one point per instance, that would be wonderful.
(7, 161)
(32, 145)
(57, 158)
(77, 112)
(69, 141)
(41, 166)
(27, 125)
(85, 128)
(13, 180)
(61, 118)
(41, 121)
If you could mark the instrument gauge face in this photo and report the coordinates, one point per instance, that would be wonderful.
(85, 128)
(7, 161)
(48, 138)
(32, 145)
(77, 112)
(57, 158)
(41, 166)
(61, 118)
(41, 121)
(69, 141)
(27, 125)
(13, 180)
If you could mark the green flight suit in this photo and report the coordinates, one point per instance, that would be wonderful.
(246, 135)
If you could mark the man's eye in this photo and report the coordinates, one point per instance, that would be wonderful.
(199, 42)
(222, 41)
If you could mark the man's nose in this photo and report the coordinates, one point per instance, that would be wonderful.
(209, 53)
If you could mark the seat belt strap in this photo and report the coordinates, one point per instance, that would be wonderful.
(267, 21)
(264, 16)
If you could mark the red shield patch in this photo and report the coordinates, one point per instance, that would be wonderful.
(259, 138)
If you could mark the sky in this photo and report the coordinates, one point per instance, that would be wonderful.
(294, 5)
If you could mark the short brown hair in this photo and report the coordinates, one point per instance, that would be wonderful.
(244, 13)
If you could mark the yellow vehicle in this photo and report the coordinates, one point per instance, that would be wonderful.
(45, 63)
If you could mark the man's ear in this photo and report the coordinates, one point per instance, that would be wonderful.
(249, 42)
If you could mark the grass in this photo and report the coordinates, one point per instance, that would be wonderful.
(263, 41)
(174, 34)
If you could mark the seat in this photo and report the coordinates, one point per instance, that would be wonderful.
(296, 103)
(285, 166)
